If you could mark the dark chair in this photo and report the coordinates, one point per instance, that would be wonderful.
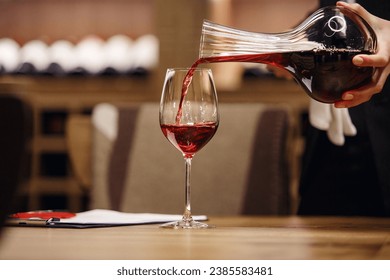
(15, 131)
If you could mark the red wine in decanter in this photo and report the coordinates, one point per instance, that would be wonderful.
(324, 74)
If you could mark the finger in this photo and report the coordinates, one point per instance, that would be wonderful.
(352, 103)
(373, 60)
(355, 7)
(356, 97)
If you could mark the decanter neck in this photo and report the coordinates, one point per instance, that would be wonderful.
(220, 40)
(327, 28)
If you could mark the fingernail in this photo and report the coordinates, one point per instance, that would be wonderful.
(358, 60)
(348, 96)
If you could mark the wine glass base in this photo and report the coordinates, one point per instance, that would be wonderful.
(182, 224)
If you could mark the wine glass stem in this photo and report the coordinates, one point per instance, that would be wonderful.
(187, 212)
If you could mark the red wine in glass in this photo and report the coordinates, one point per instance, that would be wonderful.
(189, 139)
(324, 74)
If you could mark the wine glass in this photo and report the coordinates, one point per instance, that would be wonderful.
(189, 119)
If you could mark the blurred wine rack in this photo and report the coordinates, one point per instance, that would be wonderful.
(55, 96)
(55, 93)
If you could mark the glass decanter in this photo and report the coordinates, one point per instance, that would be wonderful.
(318, 52)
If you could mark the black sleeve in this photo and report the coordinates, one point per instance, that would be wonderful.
(380, 8)
(324, 3)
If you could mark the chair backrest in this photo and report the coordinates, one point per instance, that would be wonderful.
(79, 139)
(15, 128)
(242, 170)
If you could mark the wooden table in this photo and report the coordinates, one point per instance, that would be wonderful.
(241, 238)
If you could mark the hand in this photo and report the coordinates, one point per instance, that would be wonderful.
(380, 60)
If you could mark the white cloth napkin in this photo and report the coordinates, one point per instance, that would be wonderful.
(336, 121)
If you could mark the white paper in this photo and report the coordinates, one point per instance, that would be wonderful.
(111, 217)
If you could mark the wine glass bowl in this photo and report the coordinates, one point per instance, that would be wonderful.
(188, 119)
